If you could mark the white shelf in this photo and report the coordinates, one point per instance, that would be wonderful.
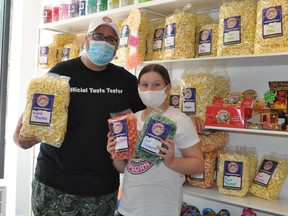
(251, 131)
(160, 7)
(232, 61)
(279, 206)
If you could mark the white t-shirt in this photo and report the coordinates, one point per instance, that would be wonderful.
(155, 190)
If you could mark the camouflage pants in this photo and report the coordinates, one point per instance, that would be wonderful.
(47, 201)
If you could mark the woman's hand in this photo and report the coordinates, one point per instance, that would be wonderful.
(168, 154)
(111, 144)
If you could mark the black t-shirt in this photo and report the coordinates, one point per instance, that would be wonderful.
(82, 165)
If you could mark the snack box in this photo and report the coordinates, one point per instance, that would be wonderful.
(229, 116)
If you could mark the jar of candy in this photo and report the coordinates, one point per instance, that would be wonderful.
(73, 10)
(101, 5)
(47, 13)
(63, 10)
(91, 6)
(82, 7)
(55, 13)
(112, 4)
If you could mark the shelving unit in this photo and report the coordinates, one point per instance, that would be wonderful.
(279, 207)
(251, 68)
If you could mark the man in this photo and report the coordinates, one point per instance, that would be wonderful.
(79, 178)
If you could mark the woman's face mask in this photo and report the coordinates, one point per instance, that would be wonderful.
(100, 52)
(153, 99)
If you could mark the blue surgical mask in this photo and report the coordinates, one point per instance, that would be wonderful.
(100, 52)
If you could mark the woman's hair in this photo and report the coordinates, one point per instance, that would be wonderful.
(158, 69)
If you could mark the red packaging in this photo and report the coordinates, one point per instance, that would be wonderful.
(229, 116)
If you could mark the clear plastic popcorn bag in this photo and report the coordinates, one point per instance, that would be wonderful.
(46, 111)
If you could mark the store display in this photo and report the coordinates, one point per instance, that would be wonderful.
(91, 6)
(264, 45)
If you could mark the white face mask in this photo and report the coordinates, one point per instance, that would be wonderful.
(153, 99)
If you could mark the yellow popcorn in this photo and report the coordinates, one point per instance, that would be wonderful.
(270, 177)
(236, 33)
(123, 49)
(197, 91)
(233, 174)
(271, 33)
(61, 39)
(222, 82)
(180, 33)
(139, 26)
(46, 110)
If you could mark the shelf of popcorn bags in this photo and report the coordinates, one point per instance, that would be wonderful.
(239, 56)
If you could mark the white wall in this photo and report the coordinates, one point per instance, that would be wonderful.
(22, 65)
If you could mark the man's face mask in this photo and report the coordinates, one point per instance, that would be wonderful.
(100, 52)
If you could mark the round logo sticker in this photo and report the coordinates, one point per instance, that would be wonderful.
(231, 22)
(271, 13)
(204, 35)
(42, 100)
(117, 127)
(187, 93)
(233, 167)
(268, 165)
(158, 128)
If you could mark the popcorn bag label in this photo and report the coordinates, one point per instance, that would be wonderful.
(189, 100)
(170, 34)
(232, 30)
(42, 106)
(205, 42)
(124, 36)
(272, 22)
(265, 172)
(232, 175)
(158, 38)
(155, 132)
(120, 131)
(43, 58)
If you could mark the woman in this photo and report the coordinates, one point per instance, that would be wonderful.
(150, 189)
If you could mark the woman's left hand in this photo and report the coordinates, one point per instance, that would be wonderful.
(168, 154)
